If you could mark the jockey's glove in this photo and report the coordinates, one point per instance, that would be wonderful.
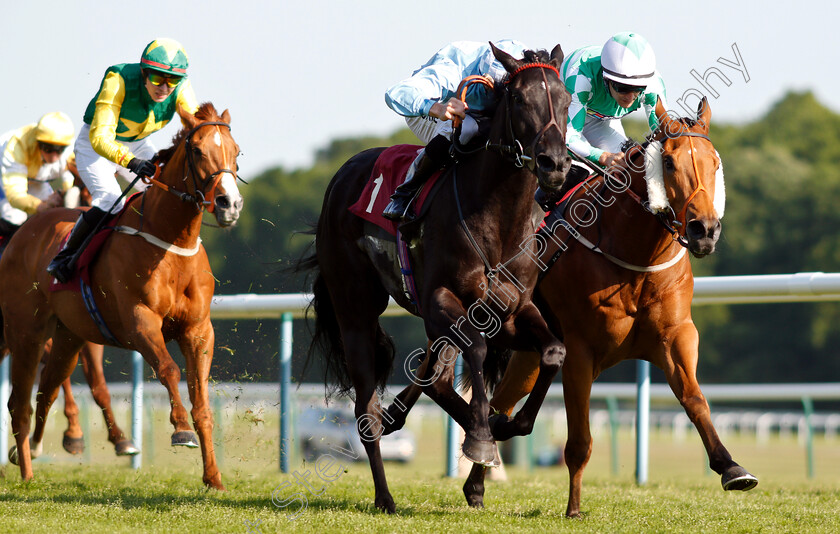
(141, 167)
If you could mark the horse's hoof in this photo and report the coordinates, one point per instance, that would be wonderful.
(386, 504)
(500, 426)
(126, 447)
(13, 455)
(737, 478)
(73, 445)
(185, 438)
(474, 494)
(482, 452)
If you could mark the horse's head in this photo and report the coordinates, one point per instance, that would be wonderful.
(537, 106)
(210, 160)
(683, 170)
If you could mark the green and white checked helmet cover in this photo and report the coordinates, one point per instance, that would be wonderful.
(166, 56)
(629, 59)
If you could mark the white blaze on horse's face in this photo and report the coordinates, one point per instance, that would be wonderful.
(228, 201)
(217, 139)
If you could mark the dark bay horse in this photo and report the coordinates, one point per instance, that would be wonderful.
(475, 235)
(630, 298)
(151, 283)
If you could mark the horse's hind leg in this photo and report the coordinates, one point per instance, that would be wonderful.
(73, 441)
(359, 343)
(92, 355)
(681, 372)
(58, 368)
(395, 415)
(26, 345)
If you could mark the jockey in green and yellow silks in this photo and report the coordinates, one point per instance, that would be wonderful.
(134, 100)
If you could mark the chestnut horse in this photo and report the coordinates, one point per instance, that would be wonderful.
(473, 236)
(151, 282)
(623, 289)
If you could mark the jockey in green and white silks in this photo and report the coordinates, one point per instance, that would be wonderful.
(606, 83)
(428, 102)
(134, 100)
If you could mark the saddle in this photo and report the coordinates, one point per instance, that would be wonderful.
(388, 173)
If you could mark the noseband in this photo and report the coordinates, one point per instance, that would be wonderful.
(677, 226)
(197, 197)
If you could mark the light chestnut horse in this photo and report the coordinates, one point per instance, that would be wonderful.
(630, 298)
(151, 282)
(73, 440)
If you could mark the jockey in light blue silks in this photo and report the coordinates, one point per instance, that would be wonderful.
(428, 102)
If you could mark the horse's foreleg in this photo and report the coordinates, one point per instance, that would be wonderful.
(92, 356)
(577, 387)
(479, 445)
(169, 374)
(681, 372)
(197, 347)
(518, 381)
(531, 327)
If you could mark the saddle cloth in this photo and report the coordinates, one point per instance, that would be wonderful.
(388, 173)
(85, 260)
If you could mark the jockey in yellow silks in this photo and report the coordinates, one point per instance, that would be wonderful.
(33, 166)
(134, 100)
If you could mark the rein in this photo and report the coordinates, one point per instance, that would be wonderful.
(198, 197)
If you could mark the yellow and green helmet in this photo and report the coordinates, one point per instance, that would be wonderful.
(166, 56)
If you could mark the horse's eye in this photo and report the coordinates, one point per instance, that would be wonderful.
(517, 99)
(668, 163)
(196, 151)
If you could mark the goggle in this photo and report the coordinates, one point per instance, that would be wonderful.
(51, 148)
(623, 88)
(159, 79)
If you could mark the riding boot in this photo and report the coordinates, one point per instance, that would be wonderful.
(417, 175)
(431, 159)
(63, 265)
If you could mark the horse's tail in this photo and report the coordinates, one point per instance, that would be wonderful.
(326, 339)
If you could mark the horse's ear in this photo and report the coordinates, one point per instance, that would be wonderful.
(226, 116)
(704, 113)
(557, 56)
(187, 118)
(508, 61)
(661, 112)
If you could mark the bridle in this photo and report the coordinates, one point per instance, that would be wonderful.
(676, 224)
(197, 197)
(515, 149)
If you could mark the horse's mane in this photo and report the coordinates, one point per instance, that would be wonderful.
(206, 112)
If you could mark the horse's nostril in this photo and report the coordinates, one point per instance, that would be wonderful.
(222, 202)
(695, 229)
(545, 163)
